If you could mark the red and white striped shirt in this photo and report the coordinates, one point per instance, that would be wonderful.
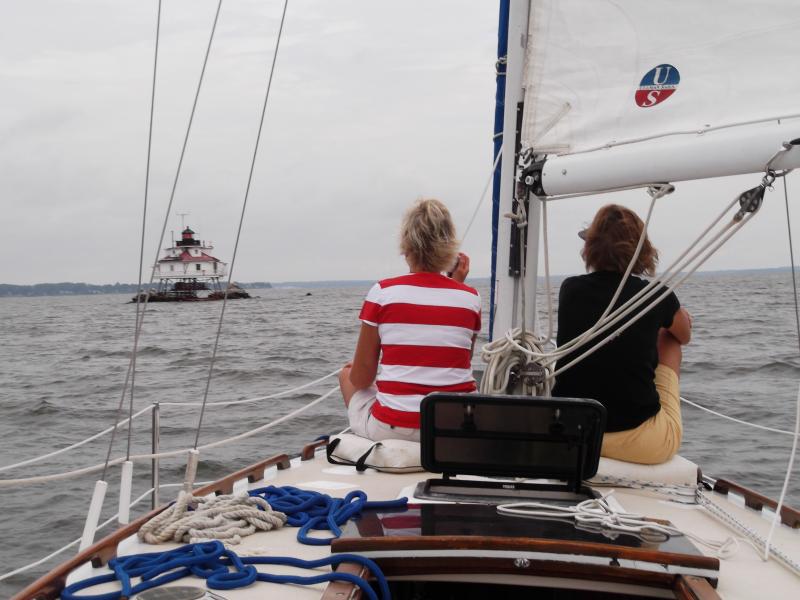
(425, 322)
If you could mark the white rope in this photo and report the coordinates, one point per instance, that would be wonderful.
(259, 398)
(483, 194)
(703, 131)
(75, 445)
(750, 536)
(172, 453)
(587, 335)
(597, 513)
(644, 311)
(735, 420)
(150, 407)
(74, 543)
(197, 519)
(777, 517)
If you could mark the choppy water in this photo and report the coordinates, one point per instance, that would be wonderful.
(63, 361)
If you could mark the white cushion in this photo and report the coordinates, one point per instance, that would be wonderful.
(391, 456)
(677, 471)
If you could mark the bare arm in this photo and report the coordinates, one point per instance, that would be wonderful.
(365, 361)
(681, 328)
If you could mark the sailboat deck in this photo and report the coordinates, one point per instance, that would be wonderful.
(737, 575)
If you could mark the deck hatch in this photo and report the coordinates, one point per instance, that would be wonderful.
(554, 439)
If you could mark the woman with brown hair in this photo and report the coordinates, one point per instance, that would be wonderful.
(636, 375)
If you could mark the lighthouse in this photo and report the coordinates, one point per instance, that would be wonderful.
(188, 266)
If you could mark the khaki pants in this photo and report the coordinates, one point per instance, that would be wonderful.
(656, 440)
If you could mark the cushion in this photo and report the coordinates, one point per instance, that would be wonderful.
(390, 456)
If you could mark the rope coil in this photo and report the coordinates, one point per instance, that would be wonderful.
(197, 519)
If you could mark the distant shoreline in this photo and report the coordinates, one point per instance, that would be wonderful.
(88, 289)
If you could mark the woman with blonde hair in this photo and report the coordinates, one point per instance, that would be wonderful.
(417, 331)
(636, 375)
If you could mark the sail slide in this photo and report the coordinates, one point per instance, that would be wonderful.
(623, 92)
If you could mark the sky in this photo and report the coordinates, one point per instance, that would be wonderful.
(373, 105)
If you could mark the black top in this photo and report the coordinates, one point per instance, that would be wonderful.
(620, 374)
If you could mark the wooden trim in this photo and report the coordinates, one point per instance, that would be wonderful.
(458, 542)
(756, 501)
(421, 567)
(688, 587)
(49, 586)
(253, 473)
(308, 451)
(341, 590)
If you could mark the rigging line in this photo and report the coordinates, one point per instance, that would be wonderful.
(548, 291)
(624, 188)
(682, 132)
(102, 525)
(144, 226)
(29, 461)
(169, 454)
(259, 398)
(777, 517)
(644, 295)
(483, 195)
(735, 420)
(241, 221)
(611, 336)
(642, 237)
(149, 407)
(671, 272)
(130, 375)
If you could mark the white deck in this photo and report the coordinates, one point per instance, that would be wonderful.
(745, 576)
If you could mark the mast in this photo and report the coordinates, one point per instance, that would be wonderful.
(506, 281)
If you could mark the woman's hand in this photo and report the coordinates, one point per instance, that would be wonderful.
(461, 269)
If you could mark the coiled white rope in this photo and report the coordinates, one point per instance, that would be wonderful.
(148, 408)
(168, 454)
(597, 513)
(198, 519)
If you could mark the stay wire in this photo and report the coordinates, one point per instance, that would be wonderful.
(131, 373)
(483, 194)
(777, 517)
(241, 221)
(144, 226)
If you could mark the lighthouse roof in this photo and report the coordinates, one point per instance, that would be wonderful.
(188, 230)
(185, 256)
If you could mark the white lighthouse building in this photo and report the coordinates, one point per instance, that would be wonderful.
(186, 268)
(189, 265)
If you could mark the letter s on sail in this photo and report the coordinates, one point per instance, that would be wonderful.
(658, 84)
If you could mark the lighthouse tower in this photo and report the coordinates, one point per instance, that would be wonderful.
(188, 266)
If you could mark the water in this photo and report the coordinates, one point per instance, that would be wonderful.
(63, 361)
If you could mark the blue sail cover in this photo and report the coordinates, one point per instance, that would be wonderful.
(500, 94)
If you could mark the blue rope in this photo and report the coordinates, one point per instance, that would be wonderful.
(212, 561)
(314, 511)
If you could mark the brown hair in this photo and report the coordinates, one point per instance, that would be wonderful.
(428, 237)
(611, 241)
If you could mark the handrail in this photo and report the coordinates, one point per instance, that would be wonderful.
(171, 453)
(149, 408)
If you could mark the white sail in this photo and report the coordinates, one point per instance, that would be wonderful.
(714, 82)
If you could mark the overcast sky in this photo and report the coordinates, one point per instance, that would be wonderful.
(373, 105)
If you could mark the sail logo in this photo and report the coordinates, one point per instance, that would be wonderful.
(657, 85)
